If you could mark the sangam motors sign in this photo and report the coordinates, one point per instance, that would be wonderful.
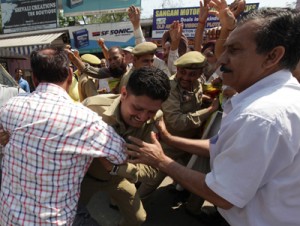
(163, 18)
(28, 15)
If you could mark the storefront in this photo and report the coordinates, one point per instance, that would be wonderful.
(15, 48)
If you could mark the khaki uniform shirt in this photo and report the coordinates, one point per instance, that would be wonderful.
(183, 116)
(108, 107)
(183, 110)
(86, 87)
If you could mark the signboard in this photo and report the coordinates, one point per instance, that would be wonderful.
(88, 7)
(163, 18)
(115, 34)
(28, 15)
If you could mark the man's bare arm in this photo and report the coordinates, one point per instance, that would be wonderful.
(194, 181)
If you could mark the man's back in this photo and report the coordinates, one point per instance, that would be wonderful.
(51, 146)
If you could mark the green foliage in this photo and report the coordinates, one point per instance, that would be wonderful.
(91, 19)
(109, 18)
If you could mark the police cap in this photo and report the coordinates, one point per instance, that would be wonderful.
(191, 60)
(144, 48)
(91, 59)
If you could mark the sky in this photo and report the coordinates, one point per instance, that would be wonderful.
(149, 5)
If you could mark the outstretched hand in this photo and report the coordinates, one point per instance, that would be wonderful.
(237, 7)
(226, 16)
(134, 15)
(203, 11)
(176, 29)
(101, 42)
(147, 153)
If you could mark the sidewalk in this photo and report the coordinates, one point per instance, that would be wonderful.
(160, 209)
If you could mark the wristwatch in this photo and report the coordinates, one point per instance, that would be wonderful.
(114, 170)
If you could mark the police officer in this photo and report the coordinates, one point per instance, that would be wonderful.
(183, 111)
(86, 85)
(143, 56)
(132, 113)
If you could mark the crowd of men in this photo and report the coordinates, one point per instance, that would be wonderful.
(73, 136)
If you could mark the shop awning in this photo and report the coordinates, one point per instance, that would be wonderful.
(7, 54)
(24, 45)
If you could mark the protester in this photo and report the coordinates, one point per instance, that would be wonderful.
(254, 158)
(117, 67)
(128, 55)
(134, 15)
(52, 143)
(134, 113)
(21, 81)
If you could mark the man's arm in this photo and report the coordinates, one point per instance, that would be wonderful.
(175, 30)
(227, 16)
(134, 15)
(104, 48)
(202, 17)
(86, 68)
(153, 155)
(197, 147)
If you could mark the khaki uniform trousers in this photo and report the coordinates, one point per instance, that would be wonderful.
(122, 192)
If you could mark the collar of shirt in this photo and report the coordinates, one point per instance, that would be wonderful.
(52, 88)
(113, 111)
(275, 79)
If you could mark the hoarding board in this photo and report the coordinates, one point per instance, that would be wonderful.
(163, 18)
(27, 15)
(88, 7)
(84, 38)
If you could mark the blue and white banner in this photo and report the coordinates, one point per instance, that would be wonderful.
(163, 18)
(84, 38)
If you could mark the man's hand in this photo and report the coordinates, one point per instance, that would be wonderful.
(221, 10)
(75, 59)
(175, 30)
(162, 129)
(101, 42)
(237, 7)
(134, 15)
(203, 12)
(4, 137)
(147, 153)
(214, 105)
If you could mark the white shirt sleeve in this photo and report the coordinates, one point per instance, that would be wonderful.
(139, 36)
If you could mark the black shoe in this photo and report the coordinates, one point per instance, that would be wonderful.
(180, 197)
